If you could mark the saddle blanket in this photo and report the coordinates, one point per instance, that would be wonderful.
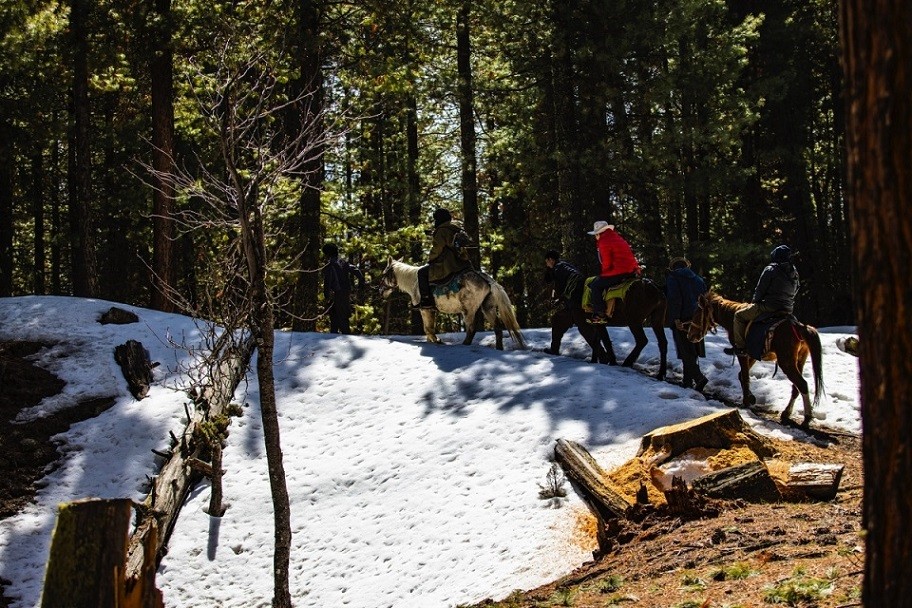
(451, 285)
(618, 291)
(760, 333)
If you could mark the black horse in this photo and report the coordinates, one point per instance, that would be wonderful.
(643, 304)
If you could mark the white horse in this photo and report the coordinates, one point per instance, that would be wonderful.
(477, 291)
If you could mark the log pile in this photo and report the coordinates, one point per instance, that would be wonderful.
(749, 480)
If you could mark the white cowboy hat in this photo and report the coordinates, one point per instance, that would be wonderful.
(600, 227)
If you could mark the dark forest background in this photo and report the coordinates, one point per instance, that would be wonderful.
(706, 128)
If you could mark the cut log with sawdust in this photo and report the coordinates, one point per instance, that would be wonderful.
(682, 468)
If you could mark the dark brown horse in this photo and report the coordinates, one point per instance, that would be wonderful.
(790, 346)
(644, 304)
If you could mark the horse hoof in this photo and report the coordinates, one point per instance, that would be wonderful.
(751, 400)
(806, 423)
(783, 419)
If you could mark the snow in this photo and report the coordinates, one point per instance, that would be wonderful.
(413, 469)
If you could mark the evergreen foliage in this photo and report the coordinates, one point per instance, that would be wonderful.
(702, 128)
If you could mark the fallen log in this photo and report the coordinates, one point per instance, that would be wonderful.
(817, 481)
(750, 481)
(170, 487)
(581, 468)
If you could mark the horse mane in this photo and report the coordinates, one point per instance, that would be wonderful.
(407, 278)
(725, 309)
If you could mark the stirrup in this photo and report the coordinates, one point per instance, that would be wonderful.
(597, 319)
(427, 303)
(735, 351)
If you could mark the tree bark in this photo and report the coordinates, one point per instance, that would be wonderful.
(876, 48)
(85, 566)
(164, 271)
(467, 129)
(309, 20)
(6, 210)
(82, 238)
(36, 193)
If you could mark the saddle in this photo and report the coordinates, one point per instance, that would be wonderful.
(619, 291)
(759, 334)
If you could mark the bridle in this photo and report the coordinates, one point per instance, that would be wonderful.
(702, 321)
(388, 282)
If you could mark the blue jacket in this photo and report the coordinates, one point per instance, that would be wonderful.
(682, 288)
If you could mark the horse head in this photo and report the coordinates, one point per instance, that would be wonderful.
(702, 321)
(388, 281)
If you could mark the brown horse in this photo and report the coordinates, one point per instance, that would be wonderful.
(790, 346)
(644, 303)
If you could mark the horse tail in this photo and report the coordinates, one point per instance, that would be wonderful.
(505, 312)
(810, 335)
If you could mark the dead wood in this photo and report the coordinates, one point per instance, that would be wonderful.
(177, 475)
(134, 362)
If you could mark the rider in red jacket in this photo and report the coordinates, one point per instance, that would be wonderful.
(617, 265)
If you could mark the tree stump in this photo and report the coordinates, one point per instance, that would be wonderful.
(87, 560)
(136, 366)
(750, 481)
(721, 431)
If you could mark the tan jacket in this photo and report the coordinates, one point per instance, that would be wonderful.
(445, 259)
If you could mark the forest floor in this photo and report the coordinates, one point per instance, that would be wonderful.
(749, 555)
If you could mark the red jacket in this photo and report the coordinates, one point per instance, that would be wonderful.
(615, 255)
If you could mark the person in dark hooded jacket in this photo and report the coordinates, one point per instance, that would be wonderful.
(682, 289)
(337, 286)
(775, 292)
(447, 257)
(567, 294)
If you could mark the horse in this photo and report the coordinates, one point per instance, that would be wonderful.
(477, 291)
(644, 303)
(790, 345)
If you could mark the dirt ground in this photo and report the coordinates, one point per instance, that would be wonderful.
(792, 554)
(807, 554)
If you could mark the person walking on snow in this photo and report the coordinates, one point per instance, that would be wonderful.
(683, 287)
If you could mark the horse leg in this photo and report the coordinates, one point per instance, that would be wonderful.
(607, 347)
(639, 334)
(748, 399)
(469, 320)
(662, 339)
(793, 371)
(429, 320)
(489, 312)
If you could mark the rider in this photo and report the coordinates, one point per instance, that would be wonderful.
(682, 288)
(447, 256)
(618, 264)
(567, 292)
(775, 292)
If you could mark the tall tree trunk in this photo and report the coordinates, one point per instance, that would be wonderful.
(56, 227)
(254, 240)
(6, 210)
(164, 269)
(877, 44)
(467, 129)
(309, 16)
(82, 239)
(37, 196)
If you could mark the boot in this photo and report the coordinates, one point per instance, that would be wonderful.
(427, 303)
